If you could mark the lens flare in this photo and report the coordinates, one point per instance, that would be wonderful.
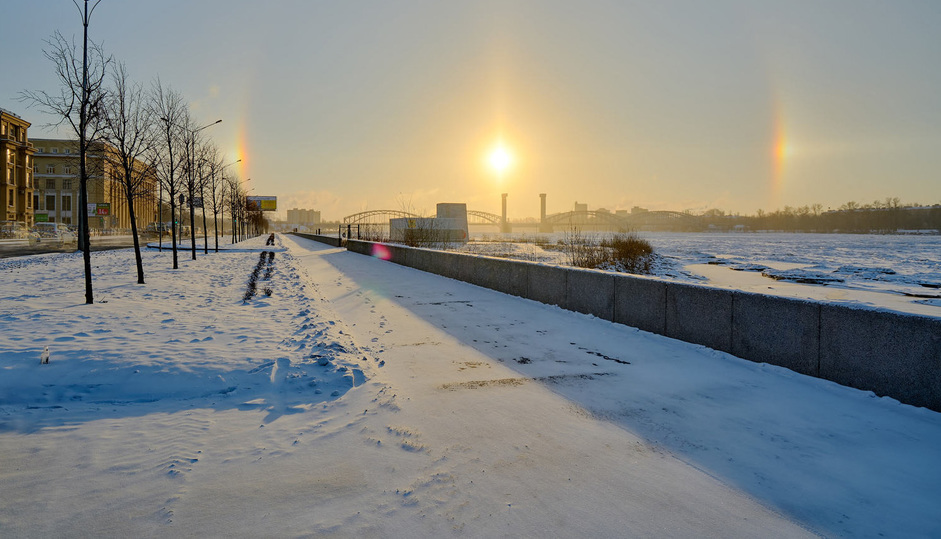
(381, 252)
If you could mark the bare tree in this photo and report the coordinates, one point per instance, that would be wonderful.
(167, 106)
(208, 156)
(191, 176)
(236, 207)
(129, 131)
(216, 188)
(78, 104)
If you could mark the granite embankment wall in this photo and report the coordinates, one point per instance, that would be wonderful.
(891, 354)
(329, 240)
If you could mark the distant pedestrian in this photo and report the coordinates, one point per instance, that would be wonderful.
(270, 239)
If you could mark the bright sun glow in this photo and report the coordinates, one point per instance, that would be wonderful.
(500, 159)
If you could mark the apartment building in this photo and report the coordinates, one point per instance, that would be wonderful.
(56, 196)
(16, 196)
(297, 217)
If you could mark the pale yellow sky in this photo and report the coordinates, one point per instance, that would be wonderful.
(680, 105)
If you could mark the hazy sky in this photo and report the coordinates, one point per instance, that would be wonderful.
(349, 105)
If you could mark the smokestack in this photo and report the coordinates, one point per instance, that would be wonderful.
(542, 207)
(504, 226)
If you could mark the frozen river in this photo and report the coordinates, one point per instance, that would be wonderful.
(899, 272)
(905, 260)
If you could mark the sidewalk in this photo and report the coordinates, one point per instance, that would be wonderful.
(496, 447)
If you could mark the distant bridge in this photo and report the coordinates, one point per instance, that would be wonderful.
(482, 216)
(383, 216)
(377, 217)
(593, 219)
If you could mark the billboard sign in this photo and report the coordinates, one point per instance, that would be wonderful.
(263, 203)
(99, 209)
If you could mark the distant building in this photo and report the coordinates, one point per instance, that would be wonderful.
(638, 209)
(16, 197)
(450, 225)
(56, 197)
(298, 218)
(581, 207)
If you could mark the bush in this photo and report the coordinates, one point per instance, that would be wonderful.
(629, 252)
(626, 252)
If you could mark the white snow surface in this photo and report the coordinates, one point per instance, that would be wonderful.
(365, 399)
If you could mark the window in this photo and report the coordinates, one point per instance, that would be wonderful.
(67, 203)
(66, 184)
(67, 169)
(50, 183)
(35, 200)
(50, 202)
(29, 202)
(50, 169)
(10, 198)
(55, 150)
(35, 168)
(52, 219)
(67, 220)
(68, 150)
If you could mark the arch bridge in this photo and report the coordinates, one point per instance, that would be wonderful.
(483, 217)
(649, 219)
(383, 216)
(377, 217)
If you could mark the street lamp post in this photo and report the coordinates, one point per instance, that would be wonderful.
(191, 187)
(215, 209)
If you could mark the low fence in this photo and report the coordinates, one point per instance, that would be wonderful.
(891, 354)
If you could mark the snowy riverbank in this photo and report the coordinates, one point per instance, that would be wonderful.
(361, 398)
(894, 272)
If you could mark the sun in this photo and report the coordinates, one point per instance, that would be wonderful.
(500, 159)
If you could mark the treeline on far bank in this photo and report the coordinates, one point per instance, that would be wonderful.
(889, 217)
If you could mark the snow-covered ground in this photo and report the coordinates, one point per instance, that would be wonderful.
(351, 397)
(897, 272)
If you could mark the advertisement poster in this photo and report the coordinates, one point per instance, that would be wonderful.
(99, 209)
(263, 203)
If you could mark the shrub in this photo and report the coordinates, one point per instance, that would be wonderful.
(629, 252)
(626, 252)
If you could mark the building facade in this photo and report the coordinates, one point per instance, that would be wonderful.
(16, 197)
(56, 196)
(298, 217)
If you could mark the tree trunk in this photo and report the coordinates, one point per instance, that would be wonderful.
(192, 225)
(137, 255)
(173, 229)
